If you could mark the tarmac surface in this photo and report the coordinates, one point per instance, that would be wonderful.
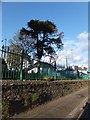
(69, 106)
(86, 113)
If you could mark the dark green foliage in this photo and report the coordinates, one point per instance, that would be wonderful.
(5, 110)
(39, 38)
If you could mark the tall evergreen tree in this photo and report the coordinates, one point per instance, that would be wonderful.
(40, 38)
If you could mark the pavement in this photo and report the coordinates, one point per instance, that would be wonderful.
(85, 115)
(69, 106)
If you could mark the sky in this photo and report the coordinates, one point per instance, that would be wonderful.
(69, 17)
(45, 0)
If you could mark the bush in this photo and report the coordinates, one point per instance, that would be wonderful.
(5, 109)
(35, 97)
(48, 78)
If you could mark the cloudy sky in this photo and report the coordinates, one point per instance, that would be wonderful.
(69, 17)
(78, 52)
(75, 52)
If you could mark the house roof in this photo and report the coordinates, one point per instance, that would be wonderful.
(42, 65)
(83, 69)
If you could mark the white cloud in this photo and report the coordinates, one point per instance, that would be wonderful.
(83, 35)
(77, 58)
(76, 51)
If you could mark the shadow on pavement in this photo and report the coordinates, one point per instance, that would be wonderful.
(86, 114)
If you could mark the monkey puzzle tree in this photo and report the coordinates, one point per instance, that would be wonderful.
(40, 38)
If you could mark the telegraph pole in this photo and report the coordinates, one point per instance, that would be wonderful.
(66, 62)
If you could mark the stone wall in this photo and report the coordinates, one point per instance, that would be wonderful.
(18, 96)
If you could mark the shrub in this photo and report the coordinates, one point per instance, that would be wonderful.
(5, 109)
(48, 78)
(35, 97)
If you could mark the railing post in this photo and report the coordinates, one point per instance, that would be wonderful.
(21, 69)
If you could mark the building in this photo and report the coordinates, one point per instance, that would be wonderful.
(42, 69)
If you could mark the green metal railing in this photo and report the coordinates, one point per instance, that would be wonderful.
(10, 64)
(15, 66)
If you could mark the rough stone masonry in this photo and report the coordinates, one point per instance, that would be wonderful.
(19, 96)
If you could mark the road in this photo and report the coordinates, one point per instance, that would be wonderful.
(66, 107)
